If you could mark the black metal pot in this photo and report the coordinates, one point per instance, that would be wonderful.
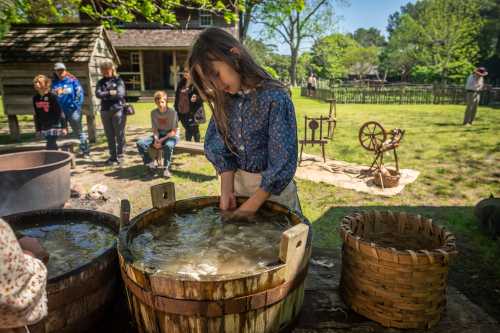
(34, 180)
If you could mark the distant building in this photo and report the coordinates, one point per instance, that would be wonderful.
(152, 56)
(28, 50)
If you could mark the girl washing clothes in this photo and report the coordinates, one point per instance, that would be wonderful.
(252, 136)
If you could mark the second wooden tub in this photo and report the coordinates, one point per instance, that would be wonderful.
(267, 301)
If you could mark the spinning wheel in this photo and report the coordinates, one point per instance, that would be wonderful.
(372, 135)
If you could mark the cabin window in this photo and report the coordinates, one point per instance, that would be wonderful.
(206, 19)
(130, 69)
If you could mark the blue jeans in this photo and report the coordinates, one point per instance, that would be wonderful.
(168, 148)
(51, 142)
(75, 121)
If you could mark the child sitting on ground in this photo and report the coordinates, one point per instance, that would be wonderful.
(50, 122)
(164, 124)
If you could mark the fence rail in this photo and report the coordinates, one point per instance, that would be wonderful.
(402, 94)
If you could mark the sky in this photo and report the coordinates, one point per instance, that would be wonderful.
(356, 14)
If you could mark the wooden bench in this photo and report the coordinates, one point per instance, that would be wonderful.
(64, 144)
(188, 147)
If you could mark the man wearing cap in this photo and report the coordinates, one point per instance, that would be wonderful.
(70, 95)
(473, 87)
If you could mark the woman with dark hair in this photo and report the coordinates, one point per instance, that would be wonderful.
(187, 104)
(111, 90)
(252, 136)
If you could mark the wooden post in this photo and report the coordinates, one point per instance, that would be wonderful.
(141, 69)
(91, 126)
(15, 132)
(124, 213)
(174, 56)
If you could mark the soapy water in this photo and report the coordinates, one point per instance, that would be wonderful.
(204, 242)
(70, 245)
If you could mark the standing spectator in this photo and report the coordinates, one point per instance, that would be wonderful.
(187, 103)
(473, 87)
(111, 90)
(50, 122)
(164, 128)
(311, 85)
(70, 95)
(23, 278)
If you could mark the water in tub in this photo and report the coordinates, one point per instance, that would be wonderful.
(204, 243)
(70, 245)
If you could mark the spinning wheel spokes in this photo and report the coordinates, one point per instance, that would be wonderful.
(372, 135)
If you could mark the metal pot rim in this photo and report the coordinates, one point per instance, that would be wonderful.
(66, 160)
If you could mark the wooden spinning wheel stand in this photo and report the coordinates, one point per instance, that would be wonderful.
(373, 137)
(332, 118)
(310, 137)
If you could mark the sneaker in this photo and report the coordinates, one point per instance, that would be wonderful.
(151, 165)
(111, 161)
(167, 173)
(86, 156)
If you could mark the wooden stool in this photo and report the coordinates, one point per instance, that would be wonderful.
(156, 155)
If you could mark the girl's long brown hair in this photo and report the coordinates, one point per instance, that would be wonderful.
(215, 44)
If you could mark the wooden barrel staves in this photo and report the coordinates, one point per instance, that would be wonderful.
(77, 300)
(267, 301)
(399, 285)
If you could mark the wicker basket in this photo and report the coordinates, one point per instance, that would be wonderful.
(395, 268)
(390, 179)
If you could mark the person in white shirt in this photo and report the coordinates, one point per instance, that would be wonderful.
(473, 87)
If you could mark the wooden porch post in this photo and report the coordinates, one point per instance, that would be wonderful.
(141, 69)
(15, 132)
(175, 69)
(91, 126)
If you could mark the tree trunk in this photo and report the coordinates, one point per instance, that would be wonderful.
(293, 66)
(244, 21)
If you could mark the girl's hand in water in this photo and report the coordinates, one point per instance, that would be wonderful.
(252, 205)
(32, 247)
(227, 196)
(227, 201)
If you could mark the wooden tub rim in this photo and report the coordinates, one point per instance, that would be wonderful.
(112, 222)
(126, 257)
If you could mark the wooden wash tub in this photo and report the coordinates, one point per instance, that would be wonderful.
(78, 299)
(267, 301)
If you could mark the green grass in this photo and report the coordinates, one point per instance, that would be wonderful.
(458, 165)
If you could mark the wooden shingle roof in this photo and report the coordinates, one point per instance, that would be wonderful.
(155, 38)
(50, 43)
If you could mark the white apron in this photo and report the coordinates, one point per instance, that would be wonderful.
(247, 183)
